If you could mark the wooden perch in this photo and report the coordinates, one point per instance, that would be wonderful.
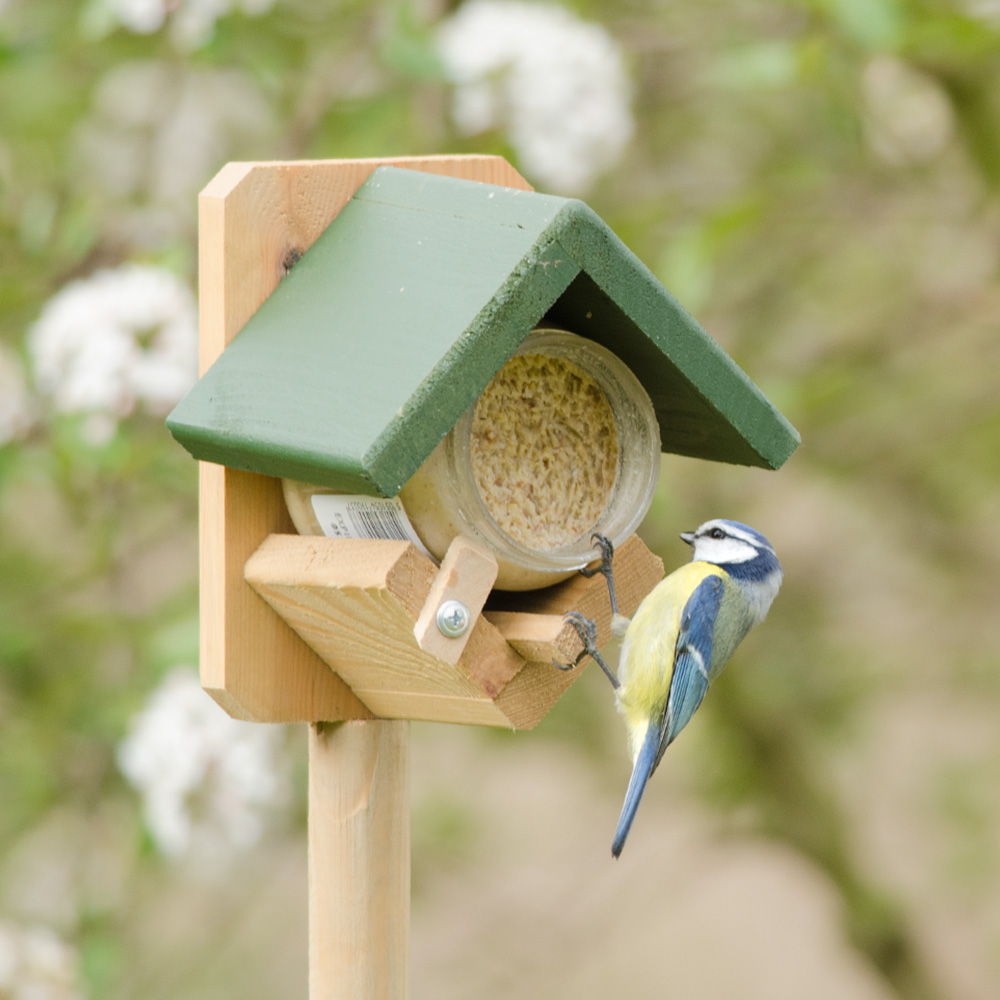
(355, 603)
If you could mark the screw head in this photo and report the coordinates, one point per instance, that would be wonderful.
(453, 618)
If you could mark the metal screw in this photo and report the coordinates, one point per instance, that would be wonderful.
(453, 618)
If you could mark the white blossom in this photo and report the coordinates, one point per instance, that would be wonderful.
(555, 84)
(35, 964)
(192, 22)
(987, 11)
(207, 781)
(16, 409)
(106, 343)
(156, 131)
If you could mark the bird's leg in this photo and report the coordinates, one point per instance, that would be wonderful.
(587, 630)
(619, 623)
(607, 551)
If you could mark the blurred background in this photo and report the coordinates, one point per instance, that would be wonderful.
(817, 181)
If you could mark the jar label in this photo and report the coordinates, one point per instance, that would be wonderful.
(349, 516)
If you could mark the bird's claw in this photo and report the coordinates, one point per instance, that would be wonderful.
(586, 628)
(607, 550)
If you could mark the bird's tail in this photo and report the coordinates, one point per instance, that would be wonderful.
(645, 762)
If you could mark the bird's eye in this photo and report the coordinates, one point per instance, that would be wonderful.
(717, 533)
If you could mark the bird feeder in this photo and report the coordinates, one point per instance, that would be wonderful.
(352, 315)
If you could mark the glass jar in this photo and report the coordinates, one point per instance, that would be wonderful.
(563, 443)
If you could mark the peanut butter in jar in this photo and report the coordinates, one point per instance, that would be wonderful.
(562, 443)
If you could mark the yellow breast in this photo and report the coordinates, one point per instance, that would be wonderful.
(647, 657)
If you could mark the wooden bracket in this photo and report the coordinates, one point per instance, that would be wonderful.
(355, 603)
(467, 574)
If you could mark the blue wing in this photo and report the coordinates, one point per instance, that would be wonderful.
(645, 764)
(688, 684)
(692, 659)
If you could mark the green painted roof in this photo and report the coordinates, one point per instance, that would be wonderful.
(391, 324)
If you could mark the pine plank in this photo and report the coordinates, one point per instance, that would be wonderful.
(355, 604)
(255, 221)
(539, 638)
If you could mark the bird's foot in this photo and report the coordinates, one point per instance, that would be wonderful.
(607, 550)
(586, 628)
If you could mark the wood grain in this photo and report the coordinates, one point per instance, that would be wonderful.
(359, 860)
(539, 638)
(636, 570)
(355, 603)
(467, 574)
(255, 220)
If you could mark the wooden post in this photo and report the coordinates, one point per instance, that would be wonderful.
(359, 860)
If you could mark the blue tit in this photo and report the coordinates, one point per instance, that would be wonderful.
(680, 638)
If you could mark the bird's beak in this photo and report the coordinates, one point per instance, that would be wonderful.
(687, 536)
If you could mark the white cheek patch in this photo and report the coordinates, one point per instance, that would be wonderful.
(723, 550)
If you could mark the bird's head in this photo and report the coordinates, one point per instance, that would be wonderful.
(738, 548)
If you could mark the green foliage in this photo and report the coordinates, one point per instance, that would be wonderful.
(815, 179)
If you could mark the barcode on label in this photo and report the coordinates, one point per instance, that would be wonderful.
(343, 516)
(374, 520)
